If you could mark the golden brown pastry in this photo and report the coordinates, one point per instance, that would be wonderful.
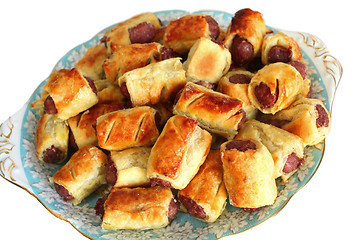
(287, 149)
(128, 168)
(207, 61)
(235, 84)
(51, 139)
(127, 128)
(39, 104)
(81, 175)
(205, 196)
(157, 82)
(307, 118)
(128, 57)
(70, 94)
(216, 112)
(275, 87)
(182, 33)
(178, 153)
(138, 29)
(245, 35)
(248, 173)
(82, 125)
(90, 65)
(280, 48)
(137, 208)
(108, 92)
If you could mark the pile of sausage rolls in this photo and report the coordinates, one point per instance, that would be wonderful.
(179, 118)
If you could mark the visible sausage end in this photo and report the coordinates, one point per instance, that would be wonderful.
(192, 207)
(49, 105)
(173, 208)
(240, 145)
(242, 51)
(322, 120)
(240, 79)
(264, 96)
(53, 155)
(91, 84)
(111, 172)
(213, 27)
(142, 33)
(300, 67)
(160, 182)
(62, 191)
(279, 54)
(99, 206)
(292, 163)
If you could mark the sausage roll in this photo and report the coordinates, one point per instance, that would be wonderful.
(128, 168)
(70, 94)
(108, 92)
(128, 57)
(39, 104)
(216, 112)
(90, 65)
(287, 149)
(235, 84)
(205, 196)
(157, 82)
(178, 153)
(306, 118)
(275, 87)
(280, 48)
(137, 208)
(138, 29)
(81, 175)
(82, 125)
(127, 128)
(182, 33)
(245, 35)
(51, 139)
(207, 61)
(248, 173)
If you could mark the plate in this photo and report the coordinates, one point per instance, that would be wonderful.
(19, 165)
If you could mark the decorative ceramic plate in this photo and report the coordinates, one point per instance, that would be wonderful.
(19, 165)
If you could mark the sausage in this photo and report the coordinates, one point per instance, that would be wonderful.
(124, 90)
(241, 51)
(249, 209)
(49, 105)
(241, 145)
(142, 33)
(240, 79)
(164, 53)
(264, 96)
(91, 84)
(277, 122)
(206, 84)
(279, 54)
(173, 208)
(213, 27)
(241, 111)
(72, 141)
(160, 182)
(111, 172)
(63, 192)
(322, 120)
(192, 207)
(292, 163)
(100, 205)
(53, 155)
(300, 67)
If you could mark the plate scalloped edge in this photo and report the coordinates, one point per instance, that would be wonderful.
(328, 70)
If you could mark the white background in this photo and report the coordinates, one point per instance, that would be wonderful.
(36, 34)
